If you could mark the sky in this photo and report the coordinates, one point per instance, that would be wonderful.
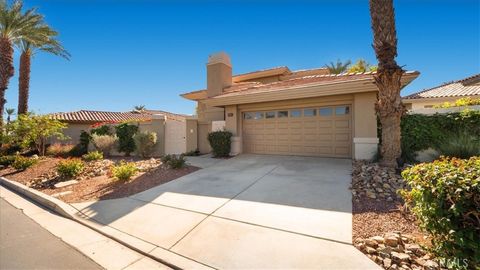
(127, 53)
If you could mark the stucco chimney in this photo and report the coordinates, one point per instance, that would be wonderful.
(219, 73)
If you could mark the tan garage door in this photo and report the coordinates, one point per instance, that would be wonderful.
(314, 131)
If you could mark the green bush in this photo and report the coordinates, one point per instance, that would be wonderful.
(125, 133)
(420, 132)
(60, 150)
(22, 163)
(104, 143)
(101, 130)
(124, 171)
(460, 145)
(220, 141)
(94, 155)
(445, 196)
(145, 143)
(7, 160)
(70, 168)
(174, 161)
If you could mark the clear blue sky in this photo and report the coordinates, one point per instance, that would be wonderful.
(127, 53)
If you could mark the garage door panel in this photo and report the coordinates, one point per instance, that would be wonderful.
(319, 134)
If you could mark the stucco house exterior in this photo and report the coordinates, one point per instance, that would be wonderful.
(171, 128)
(284, 112)
(447, 92)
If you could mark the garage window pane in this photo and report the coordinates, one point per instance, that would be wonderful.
(325, 111)
(342, 110)
(309, 112)
(258, 115)
(295, 113)
(270, 115)
(282, 114)
(248, 115)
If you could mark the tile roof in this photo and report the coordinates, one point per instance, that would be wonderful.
(469, 86)
(255, 87)
(83, 116)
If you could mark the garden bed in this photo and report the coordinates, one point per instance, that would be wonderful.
(96, 181)
(381, 227)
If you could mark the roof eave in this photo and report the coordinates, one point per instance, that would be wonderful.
(304, 91)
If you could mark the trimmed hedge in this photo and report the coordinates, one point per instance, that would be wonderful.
(220, 141)
(445, 196)
(420, 131)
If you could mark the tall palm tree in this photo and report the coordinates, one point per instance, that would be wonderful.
(46, 42)
(14, 25)
(10, 112)
(139, 109)
(339, 67)
(389, 105)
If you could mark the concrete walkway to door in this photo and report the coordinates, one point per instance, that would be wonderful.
(248, 212)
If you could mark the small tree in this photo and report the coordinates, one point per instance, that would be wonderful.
(145, 143)
(361, 66)
(35, 130)
(125, 132)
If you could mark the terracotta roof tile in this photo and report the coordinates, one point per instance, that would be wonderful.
(105, 116)
(469, 86)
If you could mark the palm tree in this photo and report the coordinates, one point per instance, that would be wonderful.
(9, 112)
(14, 25)
(339, 67)
(46, 42)
(139, 109)
(389, 105)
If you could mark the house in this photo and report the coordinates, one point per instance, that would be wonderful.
(283, 112)
(171, 128)
(447, 92)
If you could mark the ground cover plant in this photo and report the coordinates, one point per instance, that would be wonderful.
(70, 168)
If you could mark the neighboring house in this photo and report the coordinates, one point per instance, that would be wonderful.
(171, 128)
(284, 112)
(447, 92)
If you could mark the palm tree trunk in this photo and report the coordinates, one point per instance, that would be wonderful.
(389, 105)
(6, 71)
(24, 82)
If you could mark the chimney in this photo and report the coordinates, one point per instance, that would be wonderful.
(219, 73)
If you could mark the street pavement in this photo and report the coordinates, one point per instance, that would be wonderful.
(26, 245)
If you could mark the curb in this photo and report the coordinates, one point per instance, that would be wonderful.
(169, 258)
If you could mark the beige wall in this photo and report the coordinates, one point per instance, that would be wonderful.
(73, 132)
(364, 117)
(203, 144)
(157, 126)
(192, 135)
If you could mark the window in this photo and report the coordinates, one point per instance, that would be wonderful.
(428, 106)
(258, 115)
(269, 115)
(295, 113)
(325, 111)
(309, 112)
(342, 110)
(282, 114)
(248, 115)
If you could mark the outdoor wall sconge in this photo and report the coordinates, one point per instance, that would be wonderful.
(230, 114)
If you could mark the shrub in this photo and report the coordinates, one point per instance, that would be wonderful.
(421, 132)
(468, 101)
(104, 143)
(445, 196)
(124, 171)
(70, 168)
(460, 145)
(220, 141)
(60, 150)
(22, 163)
(101, 130)
(94, 155)
(174, 161)
(125, 132)
(192, 153)
(7, 160)
(145, 143)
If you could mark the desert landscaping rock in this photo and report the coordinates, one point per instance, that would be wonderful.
(60, 194)
(65, 183)
(405, 254)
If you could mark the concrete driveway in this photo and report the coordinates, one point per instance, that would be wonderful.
(248, 212)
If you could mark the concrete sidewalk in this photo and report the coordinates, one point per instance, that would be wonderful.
(247, 212)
